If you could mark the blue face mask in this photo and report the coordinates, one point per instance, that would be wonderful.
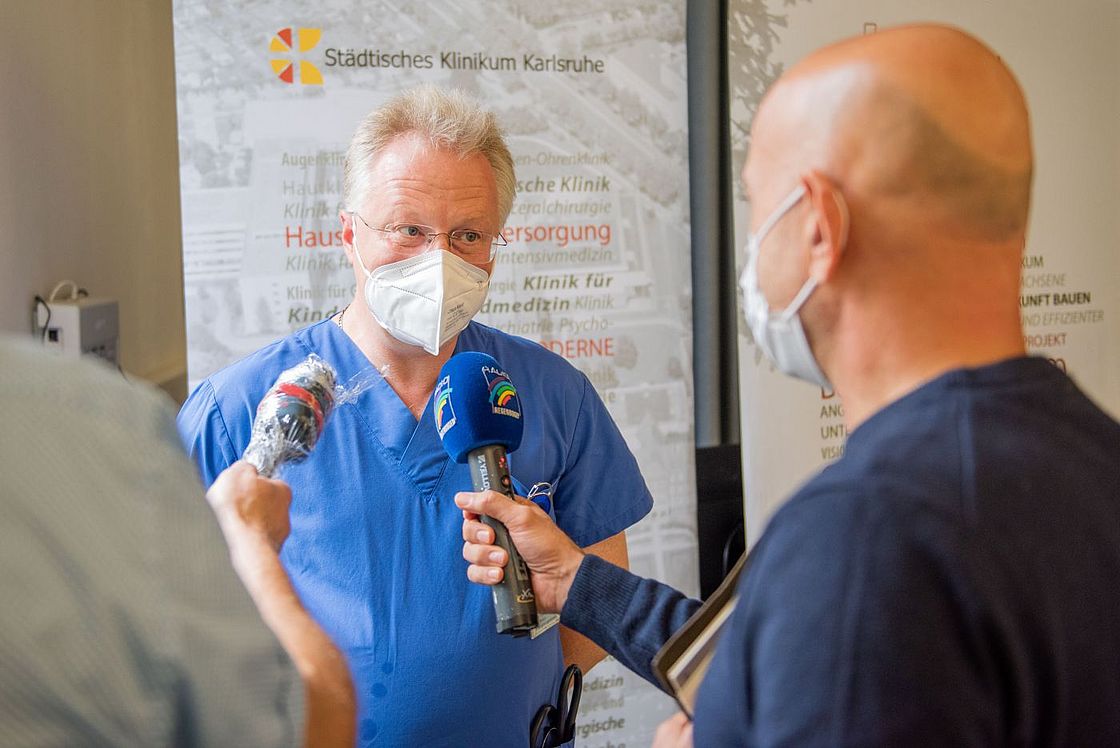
(780, 336)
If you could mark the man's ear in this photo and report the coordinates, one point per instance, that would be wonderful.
(347, 221)
(829, 224)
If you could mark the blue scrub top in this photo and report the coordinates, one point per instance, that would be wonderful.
(376, 541)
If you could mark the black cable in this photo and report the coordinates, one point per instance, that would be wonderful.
(43, 331)
(740, 529)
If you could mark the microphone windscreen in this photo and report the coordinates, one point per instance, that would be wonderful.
(475, 405)
(291, 415)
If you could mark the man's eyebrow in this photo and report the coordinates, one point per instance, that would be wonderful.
(470, 220)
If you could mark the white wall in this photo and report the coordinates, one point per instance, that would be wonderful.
(89, 169)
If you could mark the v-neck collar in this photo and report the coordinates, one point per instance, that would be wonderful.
(411, 443)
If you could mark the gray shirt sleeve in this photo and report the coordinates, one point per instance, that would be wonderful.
(123, 621)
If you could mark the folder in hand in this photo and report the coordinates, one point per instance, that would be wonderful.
(680, 665)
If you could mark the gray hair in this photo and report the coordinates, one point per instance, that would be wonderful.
(447, 118)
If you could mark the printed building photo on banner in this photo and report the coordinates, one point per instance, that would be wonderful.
(1069, 300)
(592, 97)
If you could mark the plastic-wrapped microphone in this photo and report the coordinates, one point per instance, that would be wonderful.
(291, 416)
(478, 417)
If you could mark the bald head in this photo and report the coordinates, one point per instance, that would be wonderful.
(924, 118)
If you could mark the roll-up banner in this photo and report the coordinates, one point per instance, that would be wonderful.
(592, 97)
(1066, 58)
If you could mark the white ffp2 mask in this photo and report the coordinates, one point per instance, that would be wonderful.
(425, 300)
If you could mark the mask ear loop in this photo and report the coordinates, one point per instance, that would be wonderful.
(784, 207)
(754, 238)
(354, 243)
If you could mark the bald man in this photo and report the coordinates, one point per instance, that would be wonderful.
(952, 579)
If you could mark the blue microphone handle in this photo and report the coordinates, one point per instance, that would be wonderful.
(514, 604)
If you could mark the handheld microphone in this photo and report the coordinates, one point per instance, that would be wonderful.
(291, 415)
(478, 417)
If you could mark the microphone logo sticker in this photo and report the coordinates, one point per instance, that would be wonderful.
(445, 414)
(503, 395)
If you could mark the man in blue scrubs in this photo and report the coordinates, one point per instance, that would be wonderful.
(376, 537)
(951, 580)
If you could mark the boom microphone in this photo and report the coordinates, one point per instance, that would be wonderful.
(478, 417)
(291, 415)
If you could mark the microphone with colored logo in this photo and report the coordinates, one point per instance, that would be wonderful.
(478, 417)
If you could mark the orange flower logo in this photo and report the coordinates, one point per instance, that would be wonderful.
(285, 69)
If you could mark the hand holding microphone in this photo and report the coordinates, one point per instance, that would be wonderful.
(250, 506)
(553, 559)
(478, 417)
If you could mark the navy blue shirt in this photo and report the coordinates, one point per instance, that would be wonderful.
(953, 579)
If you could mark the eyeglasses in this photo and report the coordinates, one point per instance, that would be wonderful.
(472, 245)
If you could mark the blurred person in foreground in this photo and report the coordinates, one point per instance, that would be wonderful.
(375, 550)
(123, 621)
(952, 579)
